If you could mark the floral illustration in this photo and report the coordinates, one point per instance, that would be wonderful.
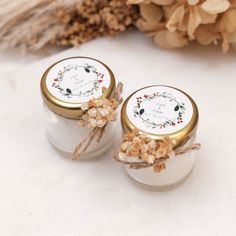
(68, 91)
(139, 110)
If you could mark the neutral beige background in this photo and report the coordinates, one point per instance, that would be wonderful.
(42, 193)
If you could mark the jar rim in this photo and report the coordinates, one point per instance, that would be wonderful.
(178, 137)
(67, 109)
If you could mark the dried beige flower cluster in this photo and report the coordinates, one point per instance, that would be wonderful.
(146, 149)
(174, 23)
(98, 112)
(94, 18)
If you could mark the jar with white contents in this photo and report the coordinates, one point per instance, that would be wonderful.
(159, 126)
(65, 87)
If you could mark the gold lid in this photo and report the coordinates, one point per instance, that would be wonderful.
(69, 82)
(159, 111)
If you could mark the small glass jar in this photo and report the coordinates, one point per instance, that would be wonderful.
(65, 86)
(158, 112)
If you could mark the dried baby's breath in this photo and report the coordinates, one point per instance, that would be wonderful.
(146, 149)
(139, 151)
(98, 112)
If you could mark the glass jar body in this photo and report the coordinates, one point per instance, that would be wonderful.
(64, 135)
(177, 170)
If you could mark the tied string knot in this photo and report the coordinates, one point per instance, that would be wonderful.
(97, 114)
(139, 151)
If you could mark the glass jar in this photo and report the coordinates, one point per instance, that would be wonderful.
(159, 112)
(65, 86)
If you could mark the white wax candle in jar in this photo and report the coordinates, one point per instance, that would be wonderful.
(65, 86)
(159, 112)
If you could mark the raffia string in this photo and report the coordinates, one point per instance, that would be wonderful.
(107, 110)
(149, 152)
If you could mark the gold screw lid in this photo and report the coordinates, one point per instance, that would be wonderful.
(72, 81)
(160, 111)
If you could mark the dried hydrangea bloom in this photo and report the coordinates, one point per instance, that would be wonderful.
(175, 23)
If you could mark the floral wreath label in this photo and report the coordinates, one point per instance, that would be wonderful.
(77, 80)
(159, 110)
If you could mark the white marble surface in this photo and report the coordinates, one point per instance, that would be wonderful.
(12, 60)
(43, 193)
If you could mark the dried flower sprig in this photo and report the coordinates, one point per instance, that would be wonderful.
(145, 149)
(140, 151)
(98, 113)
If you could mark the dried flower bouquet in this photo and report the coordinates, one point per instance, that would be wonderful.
(172, 23)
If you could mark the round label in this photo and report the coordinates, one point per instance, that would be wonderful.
(77, 80)
(159, 110)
